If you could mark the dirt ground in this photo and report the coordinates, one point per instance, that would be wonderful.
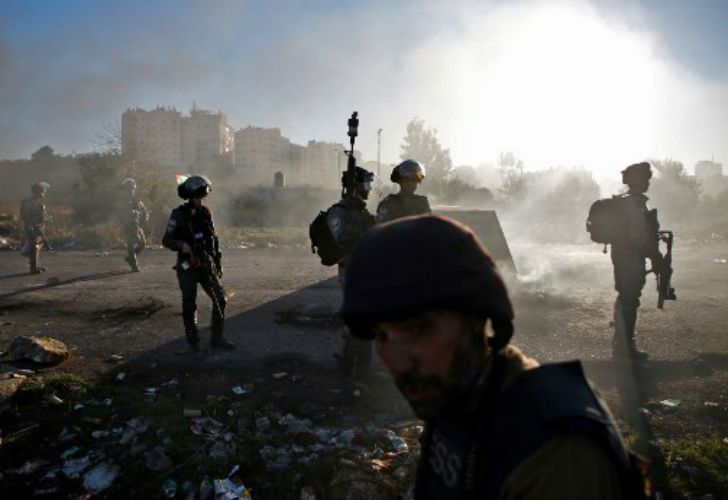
(673, 408)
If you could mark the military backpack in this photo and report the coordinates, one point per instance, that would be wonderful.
(322, 241)
(605, 223)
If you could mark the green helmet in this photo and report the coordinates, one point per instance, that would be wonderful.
(39, 187)
(195, 186)
(408, 169)
(635, 172)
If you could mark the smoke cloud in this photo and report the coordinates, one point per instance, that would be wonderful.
(559, 83)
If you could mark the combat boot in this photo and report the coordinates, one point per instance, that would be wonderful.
(217, 341)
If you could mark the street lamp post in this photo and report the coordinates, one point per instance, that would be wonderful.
(379, 148)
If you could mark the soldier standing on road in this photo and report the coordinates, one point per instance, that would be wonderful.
(133, 217)
(638, 242)
(348, 220)
(33, 215)
(498, 425)
(191, 233)
(408, 175)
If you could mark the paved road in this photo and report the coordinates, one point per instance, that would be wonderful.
(563, 300)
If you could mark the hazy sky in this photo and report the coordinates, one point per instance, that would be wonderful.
(570, 83)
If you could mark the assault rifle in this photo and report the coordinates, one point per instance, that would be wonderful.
(353, 124)
(664, 290)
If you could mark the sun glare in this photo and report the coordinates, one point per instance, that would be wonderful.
(558, 86)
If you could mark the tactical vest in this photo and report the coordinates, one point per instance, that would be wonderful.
(398, 205)
(542, 403)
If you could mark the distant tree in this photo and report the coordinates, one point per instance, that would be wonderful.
(675, 193)
(108, 141)
(422, 144)
(43, 153)
(514, 180)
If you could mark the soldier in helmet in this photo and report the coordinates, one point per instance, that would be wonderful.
(133, 215)
(408, 175)
(191, 233)
(33, 215)
(348, 220)
(638, 242)
(498, 425)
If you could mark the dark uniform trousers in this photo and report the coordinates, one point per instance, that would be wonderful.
(188, 280)
(629, 279)
(33, 213)
(135, 243)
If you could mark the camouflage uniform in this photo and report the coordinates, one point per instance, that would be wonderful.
(628, 257)
(133, 217)
(33, 214)
(398, 205)
(348, 220)
(194, 226)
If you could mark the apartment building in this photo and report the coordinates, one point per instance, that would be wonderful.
(165, 137)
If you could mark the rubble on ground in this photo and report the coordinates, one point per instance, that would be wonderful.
(41, 350)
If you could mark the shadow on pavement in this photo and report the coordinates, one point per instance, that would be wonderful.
(300, 326)
(69, 281)
(16, 275)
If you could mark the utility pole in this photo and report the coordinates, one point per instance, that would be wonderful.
(379, 149)
(338, 165)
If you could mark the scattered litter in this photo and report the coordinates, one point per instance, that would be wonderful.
(78, 406)
(279, 375)
(356, 393)
(262, 423)
(157, 460)
(99, 434)
(55, 399)
(171, 384)
(74, 467)
(670, 403)
(645, 411)
(398, 444)
(69, 452)
(169, 488)
(150, 394)
(120, 376)
(115, 358)
(308, 493)
(207, 490)
(231, 487)
(100, 477)
(66, 435)
(711, 404)
(29, 467)
(721, 261)
(206, 425)
(219, 451)
(187, 412)
(239, 390)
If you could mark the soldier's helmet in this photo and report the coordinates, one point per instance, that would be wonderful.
(408, 169)
(425, 262)
(39, 187)
(129, 184)
(362, 178)
(636, 172)
(195, 186)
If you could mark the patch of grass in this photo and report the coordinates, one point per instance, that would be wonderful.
(697, 466)
(63, 385)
